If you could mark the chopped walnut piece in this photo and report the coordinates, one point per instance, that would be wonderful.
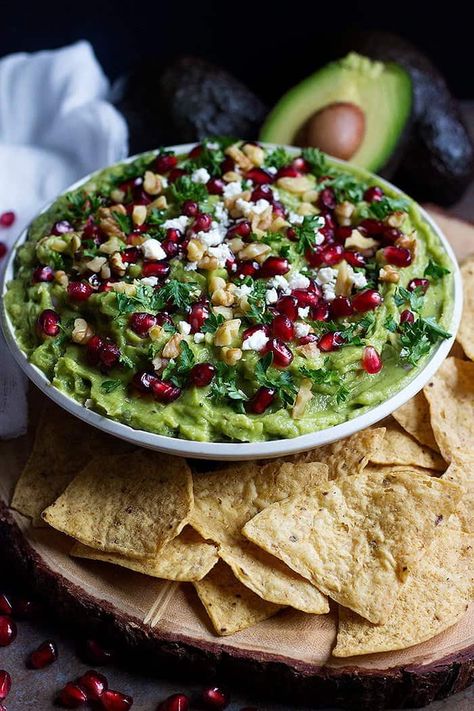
(396, 219)
(117, 264)
(216, 282)
(82, 332)
(255, 153)
(139, 215)
(117, 195)
(231, 176)
(298, 186)
(278, 223)
(343, 282)
(263, 221)
(152, 183)
(302, 399)
(107, 223)
(224, 311)
(96, 264)
(239, 157)
(343, 213)
(254, 250)
(306, 208)
(359, 241)
(407, 242)
(196, 250)
(309, 350)
(227, 332)
(389, 274)
(208, 263)
(223, 297)
(172, 349)
(231, 355)
(61, 278)
(112, 245)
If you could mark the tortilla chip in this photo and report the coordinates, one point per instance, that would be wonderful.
(414, 417)
(130, 504)
(401, 468)
(225, 500)
(63, 446)
(398, 447)
(434, 598)
(186, 558)
(465, 334)
(347, 456)
(450, 395)
(463, 475)
(357, 538)
(231, 606)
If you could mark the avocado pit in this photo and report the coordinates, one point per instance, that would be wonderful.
(337, 129)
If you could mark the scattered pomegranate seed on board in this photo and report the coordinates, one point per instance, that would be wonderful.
(176, 702)
(43, 656)
(214, 698)
(115, 701)
(7, 218)
(5, 684)
(72, 696)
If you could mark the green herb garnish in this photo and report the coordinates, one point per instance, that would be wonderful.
(281, 381)
(414, 298)
(224, 388)
(435, 271)
(212, 323)
(177, 370)
(382, 208)
(317, 161)
(108, 386)
(306, 232)
(278, 158)
(184, 189)
(417, 339)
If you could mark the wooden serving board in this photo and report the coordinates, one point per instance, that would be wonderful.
(287, 657)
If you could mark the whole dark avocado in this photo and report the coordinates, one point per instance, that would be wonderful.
(186, 101)
(438, 161)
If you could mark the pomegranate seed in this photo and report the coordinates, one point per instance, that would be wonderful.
(320, 313)
(109, 354)
(43, 656)
(215, 186)
(262, 192)
(157, 269)
(174, 235)
(171, 248)
(130, 255)
(198, 314)
(288, 171)
(327, 199)
(43, 274)
(399, 256)
(282, 355)
(61, 227)
(247, 269)
(407, 316)
(176, 702)
(262, 399)
(196, 151)
(5, 684)
(279, 209)
(306, 298)
(79, 290)
(164, 163)
(342, 232)
(314, 257)
(202, 223)
(163, 318)
(72, 696)
(373, 194)
(367, 300)
(93, 349)
(341, 306)
(301, 164)
(91, 230)
(227, 165)
(130, 185)
(422, 284)
(310, 338)
(142, 381)
(259, 176)
(355, 259)
(372, 227)
(330, 342)
(141, 322)
(274, 266)
(48, 323)
(255, 329)
(164, 391)
(391, 234)
(5, 605)
(94, 684)
(190, 208)
(3, 249)
(333, 255)
(201, 374)
(7, 218)
(94, 652)
(288, 306)
(291, 234)
(241, 229)
(214, 698)
(115, 701)
(283, 328)
(371, 361)
(8, 631)
(175, 174)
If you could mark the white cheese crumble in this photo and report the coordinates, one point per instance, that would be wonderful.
(303, 312)
(222, 253)
(301, 329)
(272, 170)
(358, 279)
(298, 281)
(164, 182)
(326, 275)
(329, 292)
(149, 281)
(232, 189)
(252, 208)
(243, 290)
(152, 249)
(214, 236)
(199, 337)
(177, 223)
(271, 297)
(190, 267)
(221, 214)
(279, 282)
(295, 219)
(255, 342)
(184, 327)
(201, 175)
(318, 237)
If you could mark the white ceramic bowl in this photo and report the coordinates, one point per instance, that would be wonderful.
(237, 451)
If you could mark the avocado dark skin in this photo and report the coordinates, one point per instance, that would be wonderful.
(186, 101)
(438, 160)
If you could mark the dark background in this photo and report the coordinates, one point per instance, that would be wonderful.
(270, 46)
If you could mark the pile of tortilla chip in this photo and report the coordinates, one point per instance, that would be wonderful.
(382, 523)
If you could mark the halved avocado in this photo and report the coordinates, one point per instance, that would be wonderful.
(345, 90)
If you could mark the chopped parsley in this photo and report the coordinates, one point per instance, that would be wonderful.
(257, 311)
(123, 221)
(177, 370)
(212, 323)
(306, 232)
(390, 324)
(81, 204)
(278, 158)
(346, 187)
(328, 378)
(414, 299)
(382, 208)
(317, 161)
(281, 381)
(418, 337)
(108, 386)
(185, 189)
(156, 217)
(435, 271)
(224, 388)
(177, 293)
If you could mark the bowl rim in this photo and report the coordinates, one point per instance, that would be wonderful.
(234, 451)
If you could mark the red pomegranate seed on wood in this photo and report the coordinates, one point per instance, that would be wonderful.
(214, 698)
(6, 607)
(72, 696)
(96, 653)
(94, 684)
(371, 361)
(43, 656)
(5, 684)
(115, 701)
(176, 702)
(7, 218)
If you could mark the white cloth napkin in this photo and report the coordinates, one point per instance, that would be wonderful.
(56, 125)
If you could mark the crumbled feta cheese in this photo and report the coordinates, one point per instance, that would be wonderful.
(298, 281)
(243, 290)
(149, 281)
(272, 170)
(212, 145)
(222, 253)
(301, 329)
(271, 297)
(326, 275)
(279, 282)
(232, 189)
(303, 312)
(295, 219)
(177, 223)
(164, 182)
(254, 208)
(190, 267)
(329, 292)
(152, 249)
(221, 214)
(201, 175)
(199, 337)
(358, 279)
(214, 236)
(256, 341)
(184, 327)
(318, 237)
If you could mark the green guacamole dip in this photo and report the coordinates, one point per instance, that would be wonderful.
(237, 293)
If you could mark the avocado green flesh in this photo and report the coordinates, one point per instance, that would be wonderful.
(194, 415)
(382, 91)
